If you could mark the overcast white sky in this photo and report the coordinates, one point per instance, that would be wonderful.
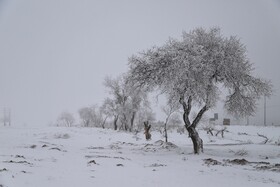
(55, 54)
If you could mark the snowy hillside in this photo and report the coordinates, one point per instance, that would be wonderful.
(72, 157)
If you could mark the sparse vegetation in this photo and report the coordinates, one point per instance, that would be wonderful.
(87, 153)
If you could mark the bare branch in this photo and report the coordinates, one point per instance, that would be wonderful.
(263, 136)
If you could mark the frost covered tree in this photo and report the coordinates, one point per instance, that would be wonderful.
(93, 116)
(103, 116)
(110, 108)
(193, 70)
(85, 116)
(137, 99)
(170, 110)
(118, 90)
(125, 102)
(65, 119)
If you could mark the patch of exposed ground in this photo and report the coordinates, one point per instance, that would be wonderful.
(263, 166)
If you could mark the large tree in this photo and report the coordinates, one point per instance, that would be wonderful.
(195, 69)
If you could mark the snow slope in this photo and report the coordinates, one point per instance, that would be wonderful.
(56, 157)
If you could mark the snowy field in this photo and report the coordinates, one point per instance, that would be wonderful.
(71, 157)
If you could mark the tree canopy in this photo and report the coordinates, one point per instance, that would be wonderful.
(196, 65)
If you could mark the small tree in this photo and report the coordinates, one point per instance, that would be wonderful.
(169, 110)
(192, 70)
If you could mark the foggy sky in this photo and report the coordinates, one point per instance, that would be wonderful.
(55, 54)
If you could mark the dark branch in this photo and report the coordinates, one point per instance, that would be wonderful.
(187, 110)
(199, 116)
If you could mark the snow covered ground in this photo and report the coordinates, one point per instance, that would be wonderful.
(71, 157)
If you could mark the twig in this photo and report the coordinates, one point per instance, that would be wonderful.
(263, 136)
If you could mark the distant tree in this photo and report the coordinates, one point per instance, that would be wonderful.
(103, 116)
(110, 108)
(92, 116)
(193, 70)
(6, 119)
(85, 116)
(118, 91)
(137, 99)
(125, 102)
(66, 119)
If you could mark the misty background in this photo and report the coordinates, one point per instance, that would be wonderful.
(55, 54)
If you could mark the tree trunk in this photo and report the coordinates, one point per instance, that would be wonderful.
(104, 121)
(197, 141)
(132, 121)
(124, 125)
(165, 132)
(115, 122)
(147, 128)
